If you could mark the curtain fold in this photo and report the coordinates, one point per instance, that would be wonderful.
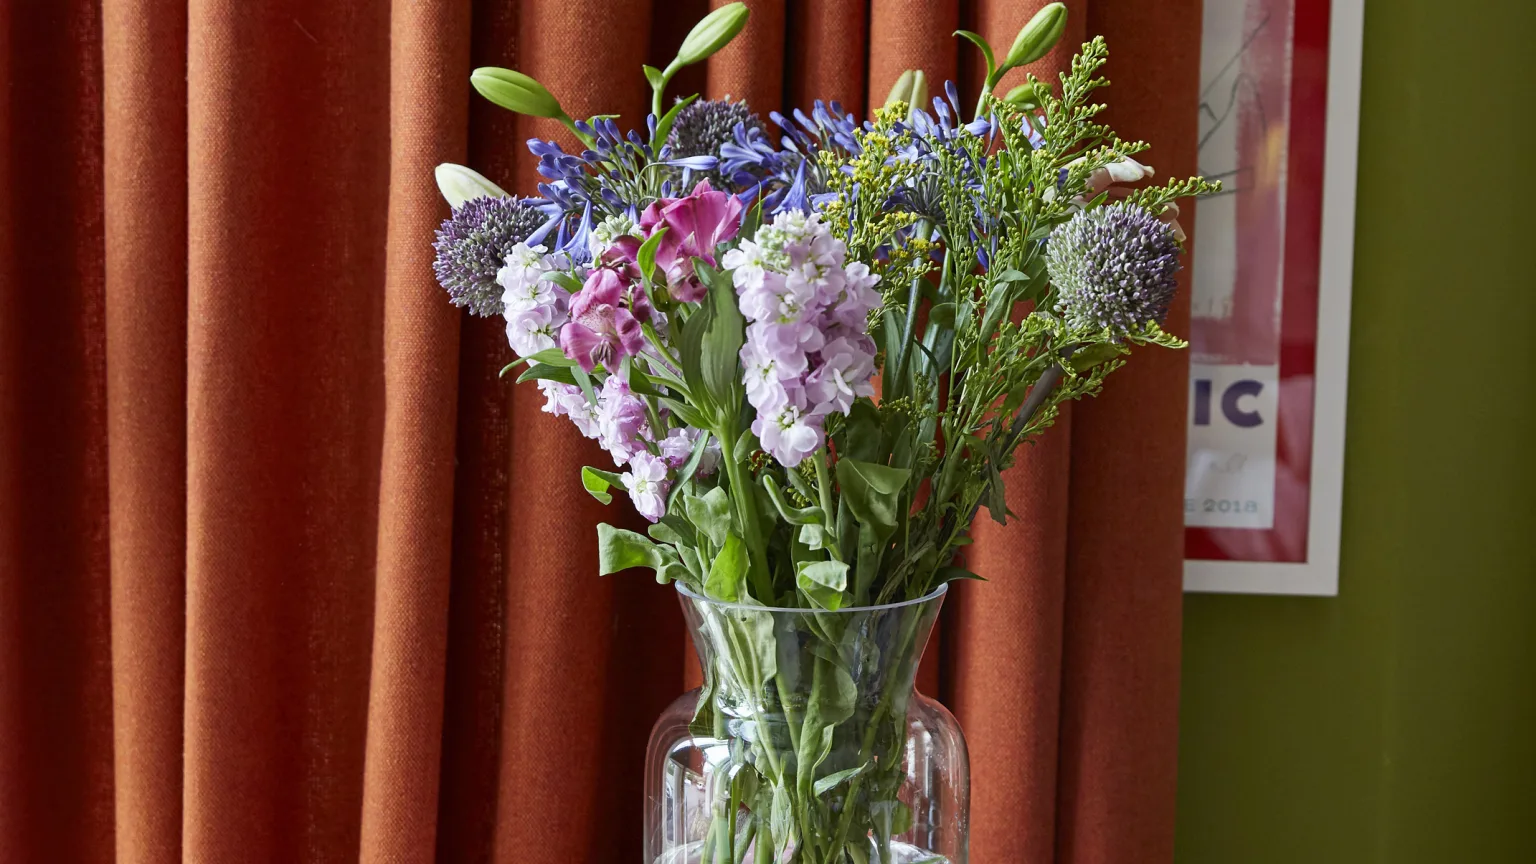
(288, 573)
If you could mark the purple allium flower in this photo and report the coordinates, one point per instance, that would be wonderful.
(703, 126)
(603, 327)
(647, 483)
(473, 243)
(1114, 268)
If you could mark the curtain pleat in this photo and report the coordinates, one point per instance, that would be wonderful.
(288, 573)
(144, 42)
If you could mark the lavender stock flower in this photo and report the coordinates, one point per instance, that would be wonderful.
(473, 243)
(1114, 268)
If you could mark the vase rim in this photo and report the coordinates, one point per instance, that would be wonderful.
(728, 604)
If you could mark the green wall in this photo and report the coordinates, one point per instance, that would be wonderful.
(1397, 722)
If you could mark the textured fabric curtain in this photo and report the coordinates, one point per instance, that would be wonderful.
(288, 575)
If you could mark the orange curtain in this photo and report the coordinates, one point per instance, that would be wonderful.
(288, 575)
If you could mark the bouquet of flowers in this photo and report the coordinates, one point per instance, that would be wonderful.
(812, 346)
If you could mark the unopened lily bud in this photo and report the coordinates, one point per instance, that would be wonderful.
(1030, 95)
(515, 91)
(714, 32)
(459, 184)
(901, 91)
(1038, 36)
(911, 88)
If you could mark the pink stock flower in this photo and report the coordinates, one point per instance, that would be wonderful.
(602, 327)
(696, 224)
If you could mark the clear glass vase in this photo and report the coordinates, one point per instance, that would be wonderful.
(808, 743)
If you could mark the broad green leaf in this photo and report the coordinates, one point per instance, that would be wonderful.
(1089, 356)
(781, 820)
(598, 483)
(831, 781)
(646, 257)
(584, 381)
(823, 582)
(720, 348)
(872, 491)
(548, 372)
(711, 514)
(815, 536)
(564, 280)
(690, 341)
(673, 571)
(552, 356)
(686, 413)
(746, 445)
(863, 437)
(673, 529)
(618, 549)
(728, 571)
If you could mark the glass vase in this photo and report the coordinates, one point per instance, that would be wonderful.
(808, 743)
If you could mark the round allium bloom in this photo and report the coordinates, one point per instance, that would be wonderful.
(472, 245)
(1114, 268)
(704, 125)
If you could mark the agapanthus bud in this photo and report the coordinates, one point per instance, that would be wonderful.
(714, 32)
(515, 91)
(1039, 36)
(459, 184)
(472, 245)
(1114, 268)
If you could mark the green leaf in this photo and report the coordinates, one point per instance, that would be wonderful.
(871, 491)
(816, 536)
(986, 48)
(690, 341)
(584, 381)
(598, 483)
(673, 571)
(564, 280)
(671, 530)
(864, 438)
(831, 781)
(746, 445)
(646, 257)
(653, 76)
(618, 549)
(720, 348)
(728, 572)
(950, 574)
(781, 820)
(802, 516)
(508, 368)
(710, 514)
(685, 412)
(547, 372)
(823, 582)
(552, 356)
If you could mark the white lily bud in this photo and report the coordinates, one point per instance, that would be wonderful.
(459, 184)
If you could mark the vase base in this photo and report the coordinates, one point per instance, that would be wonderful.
(901, 853)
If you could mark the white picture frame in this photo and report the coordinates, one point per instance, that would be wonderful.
(1319, 573)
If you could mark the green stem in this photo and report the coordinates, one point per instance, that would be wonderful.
(746, 513)
(824, 489)
(908, 633)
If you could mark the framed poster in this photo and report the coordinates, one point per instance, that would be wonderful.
(1279, 124)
